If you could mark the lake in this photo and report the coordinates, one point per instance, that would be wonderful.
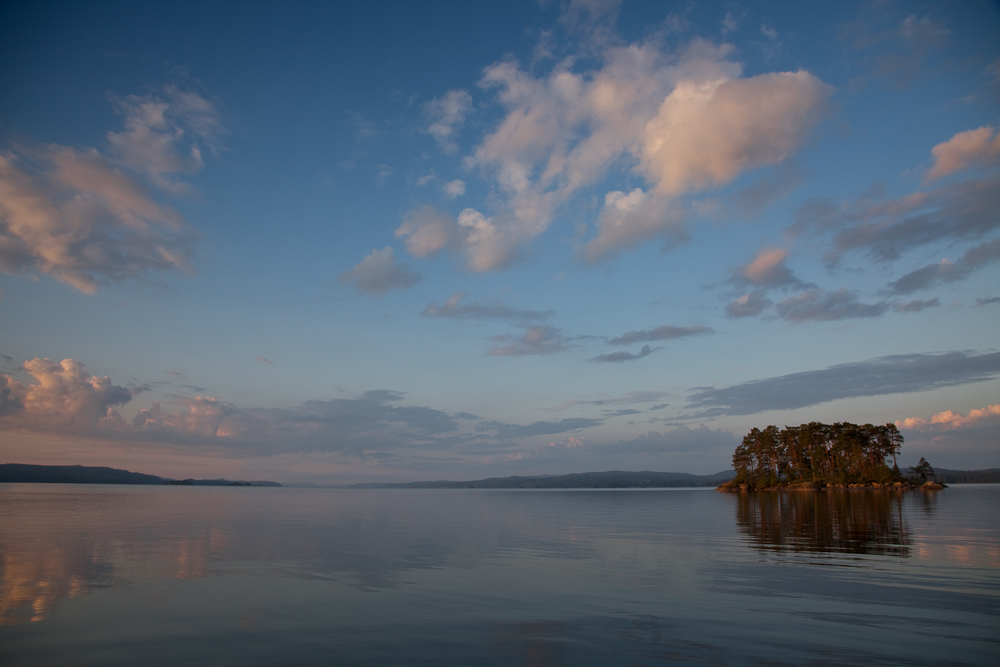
(122, 575)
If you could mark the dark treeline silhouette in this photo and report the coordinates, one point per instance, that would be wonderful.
(862, 523)
(840, 453)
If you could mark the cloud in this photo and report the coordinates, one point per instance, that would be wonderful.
(428, 231)
(84, 222)
(165, 134)
(663, 332)
(875, 377)
(984, 301)
(884, 229)
(512, 431)
(455, 188)
(768, 270)
(751, 304)
(264, 360)
(539, 339)
(65, 398)
(947, 272)
(631, 398)
(916, 306)
(628, 219)
(979, 147)
(950, 419)
(706, 132)
(448, 114)
(454, 307)
(685, 121)
(822, 305)
(379, 272)
(618, 357)
(85, 217)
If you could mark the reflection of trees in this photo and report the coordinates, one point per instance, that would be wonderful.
(862, 522)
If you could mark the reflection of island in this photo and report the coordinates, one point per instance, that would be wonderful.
(862, 523)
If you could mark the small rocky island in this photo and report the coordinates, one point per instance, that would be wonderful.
(817, 456)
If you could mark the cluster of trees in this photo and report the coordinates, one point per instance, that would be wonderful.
(840, 453)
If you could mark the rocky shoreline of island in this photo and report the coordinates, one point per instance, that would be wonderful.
(929, 485)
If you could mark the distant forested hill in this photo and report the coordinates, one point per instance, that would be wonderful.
(615, 479)
(987, 476)
(20, 472)
(25, 473)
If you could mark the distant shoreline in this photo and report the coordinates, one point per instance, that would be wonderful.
(614, 479)
(24, 473)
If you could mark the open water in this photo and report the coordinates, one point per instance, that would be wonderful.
(124, 575)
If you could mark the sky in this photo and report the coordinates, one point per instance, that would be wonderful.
(392, 241)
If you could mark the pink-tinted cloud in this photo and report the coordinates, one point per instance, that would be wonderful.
(979, 147)
(63, 398)
(949, 419)
(86, 218)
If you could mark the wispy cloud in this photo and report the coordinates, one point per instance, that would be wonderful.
(540, 339)
(85, 217)
(947, 272)
(883, 375)
(618, 357)
(448, 114)
(379, 272)
(821, 305)
(454, 307)
(663, 332)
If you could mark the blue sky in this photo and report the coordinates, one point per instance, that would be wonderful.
(404, 241)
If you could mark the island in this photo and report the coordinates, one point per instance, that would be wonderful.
(818, 456)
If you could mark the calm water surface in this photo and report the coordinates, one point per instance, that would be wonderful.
(120, 575)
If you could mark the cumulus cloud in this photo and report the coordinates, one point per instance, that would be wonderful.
(628, 219)
(979, 147)
(64, 398)
(454, 307)
(455, 188)
(875, 377)
(378, 273)
(822, 305)
(448, 114)
(685, 121)
(947, 272)
(949, 419)
(751, 304)
(428, 231)
(663, 332)
(618, 357)
(706, 132)
(540, 339)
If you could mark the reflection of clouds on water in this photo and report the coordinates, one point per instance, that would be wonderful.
(864, 522)
(34, 578)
